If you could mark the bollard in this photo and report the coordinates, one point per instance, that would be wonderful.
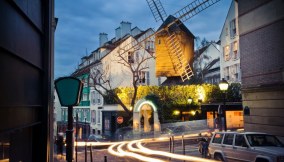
(105, 159)
(86, 158)
(173, 144)
(183, 145)
(170, 146)
(91, 153)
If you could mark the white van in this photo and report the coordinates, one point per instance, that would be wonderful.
(248, 146)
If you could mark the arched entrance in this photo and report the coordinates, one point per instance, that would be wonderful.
(145, 109)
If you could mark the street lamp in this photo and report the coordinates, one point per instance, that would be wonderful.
(189, 100)
(69, 90)
(223, 85)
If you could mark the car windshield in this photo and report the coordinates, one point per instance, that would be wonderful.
(263, 140)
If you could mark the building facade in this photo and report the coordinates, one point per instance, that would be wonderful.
(105, 59)
(261, 29)
(230, 51)
(207, 63)
(26, 98)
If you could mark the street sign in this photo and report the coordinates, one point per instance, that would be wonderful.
(119, 119)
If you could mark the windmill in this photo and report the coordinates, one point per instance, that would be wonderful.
(174, 51)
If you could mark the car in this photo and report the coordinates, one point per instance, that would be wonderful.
(98, 138)
(246, 146)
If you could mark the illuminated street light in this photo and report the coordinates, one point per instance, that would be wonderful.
(176, 112)
(223, 85)
(189, 100)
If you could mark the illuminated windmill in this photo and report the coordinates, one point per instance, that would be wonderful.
(174, 45)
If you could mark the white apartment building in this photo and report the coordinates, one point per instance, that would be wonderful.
(207, 63)
(106, 59)
(230, 51)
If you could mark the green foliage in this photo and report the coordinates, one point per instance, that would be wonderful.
(170, 98)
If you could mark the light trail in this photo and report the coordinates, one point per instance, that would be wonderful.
(94, 143)
(121, 153)
(115, 153)
(137, 156)
(136, 151)
(171, 155)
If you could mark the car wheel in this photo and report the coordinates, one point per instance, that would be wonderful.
(218, 157)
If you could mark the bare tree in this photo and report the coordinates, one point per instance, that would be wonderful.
(135, 62)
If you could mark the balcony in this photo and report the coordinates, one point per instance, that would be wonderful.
(84, 103)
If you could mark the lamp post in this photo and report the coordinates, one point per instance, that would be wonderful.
(223, 85)
(69, 90)
(189, 101)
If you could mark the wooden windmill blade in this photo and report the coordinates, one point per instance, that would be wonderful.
(157, 10)
(180, 63)
(193, 9)
(182, 15)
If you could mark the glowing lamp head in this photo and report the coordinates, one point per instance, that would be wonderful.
(189, 100)
(176, 112)
(223, 85)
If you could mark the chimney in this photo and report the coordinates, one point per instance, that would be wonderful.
(118, 33)
(102, 38)
(125, 28)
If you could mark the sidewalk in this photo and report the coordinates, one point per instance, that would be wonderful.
(98, 156)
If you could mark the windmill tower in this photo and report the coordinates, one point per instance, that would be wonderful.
(174, 42)
(174, 45)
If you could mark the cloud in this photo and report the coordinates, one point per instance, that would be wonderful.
(80, 23)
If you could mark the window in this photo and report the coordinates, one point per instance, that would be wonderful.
(148, 78)
(130, 57)
(226, 32)
(235, 50)
(85, 82)
(218, 138)
(93, 118)
(107, 124)
(228, 140)
(233, 30)
(98, 96)
(227, 53)
(93, 97)
(142, 77)
(99, 117)
(159, 41)
(150, 46)
(99, 100)
(240, 140)
(226, 73)
(85, 97)
(137, 57)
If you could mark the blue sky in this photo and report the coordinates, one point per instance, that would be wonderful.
(80, 23)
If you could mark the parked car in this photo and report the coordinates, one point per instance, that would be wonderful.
(98, 138)
(247, 146)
